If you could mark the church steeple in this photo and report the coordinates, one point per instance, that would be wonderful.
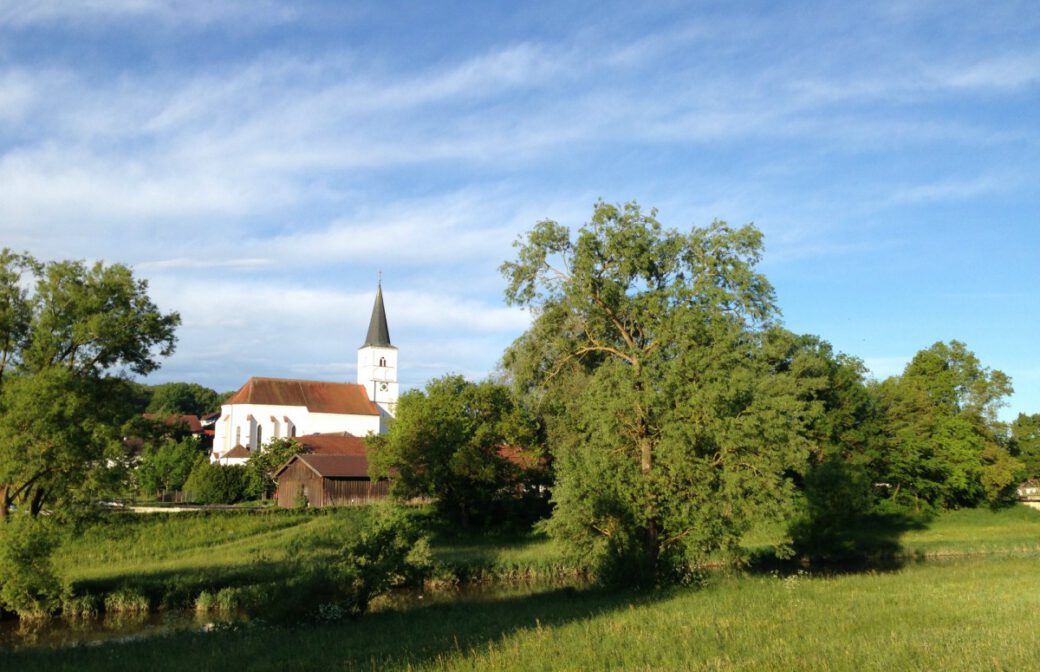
(378, 332)
(377, 362)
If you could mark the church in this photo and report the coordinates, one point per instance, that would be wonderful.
(312, 411)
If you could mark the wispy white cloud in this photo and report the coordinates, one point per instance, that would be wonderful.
(953, 189)
(190, 263)
(22, 13)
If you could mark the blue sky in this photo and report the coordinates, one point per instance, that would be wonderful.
(259, 163)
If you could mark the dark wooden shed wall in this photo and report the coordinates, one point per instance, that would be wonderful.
(326, 491)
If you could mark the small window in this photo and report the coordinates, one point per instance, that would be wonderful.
(292, 431)
(382, 361)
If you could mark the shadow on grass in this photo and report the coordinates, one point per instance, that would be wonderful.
(389, 640)
(870, 542)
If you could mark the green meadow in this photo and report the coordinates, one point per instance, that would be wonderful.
(964, 596)
(979, 613)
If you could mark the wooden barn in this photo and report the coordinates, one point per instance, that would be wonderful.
(334, 472)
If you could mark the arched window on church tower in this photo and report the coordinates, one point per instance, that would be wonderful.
(382, 361)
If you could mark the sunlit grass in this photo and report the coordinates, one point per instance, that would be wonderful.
(973, 614)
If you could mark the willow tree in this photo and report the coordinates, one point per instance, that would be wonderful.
(675, 405)
(70, 334)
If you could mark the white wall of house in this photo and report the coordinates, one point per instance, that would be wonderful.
(243, 424)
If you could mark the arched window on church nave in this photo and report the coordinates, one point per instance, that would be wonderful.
(382, 361)
(238, 436)
(292, 431)
(259, 437)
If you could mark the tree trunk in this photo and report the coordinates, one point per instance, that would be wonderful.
(5, 502)
(37, 502)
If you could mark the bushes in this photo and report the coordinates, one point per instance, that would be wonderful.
(216, 483)
(389, 551)
(28, 583)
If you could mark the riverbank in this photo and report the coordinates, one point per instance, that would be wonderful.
(164, 563)
(976, 613)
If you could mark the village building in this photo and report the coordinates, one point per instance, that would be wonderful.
(332, 471)
(265, 409)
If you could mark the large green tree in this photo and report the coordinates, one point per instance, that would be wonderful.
(943, 445)
(70, 335)
(446, 442)
(1025, 442)
(183, 399)
(676, 407)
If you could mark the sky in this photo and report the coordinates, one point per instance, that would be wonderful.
(260, 163)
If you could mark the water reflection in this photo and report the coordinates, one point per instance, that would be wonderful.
(62, 632)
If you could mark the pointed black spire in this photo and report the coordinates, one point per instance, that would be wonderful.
(378, 333)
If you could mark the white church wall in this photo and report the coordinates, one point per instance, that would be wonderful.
(324, 423)
(238, 424)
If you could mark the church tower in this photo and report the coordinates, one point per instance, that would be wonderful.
(377, 361)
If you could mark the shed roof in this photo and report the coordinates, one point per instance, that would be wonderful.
(316, 395)
(331, 466)
(341, 443)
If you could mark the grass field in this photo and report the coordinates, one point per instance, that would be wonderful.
(979, 613)
(967, 597)
(170, 558)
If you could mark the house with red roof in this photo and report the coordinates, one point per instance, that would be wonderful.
(270, 408)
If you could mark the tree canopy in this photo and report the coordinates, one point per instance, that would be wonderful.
(69, 335)
(183, 399)
(446, 443)
(675, 405)
(1025, 438)
(942, 444)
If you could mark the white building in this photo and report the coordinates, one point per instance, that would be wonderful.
(269, 408)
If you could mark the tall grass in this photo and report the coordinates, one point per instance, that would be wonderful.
(172, 559)
(974, 614)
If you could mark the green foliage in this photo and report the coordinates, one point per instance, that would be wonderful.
(1025, 442)
(392, 550)
(166, 466)
(183, 399)
(68, 331)
(942, 445)
(211, 483)
(840, 520)
(262, 464)
(29, 584)
(674, 406)
(126, 601)
(964, 616)
(60, 445)
(445, 442)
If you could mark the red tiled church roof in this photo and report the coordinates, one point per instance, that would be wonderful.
(317, 396)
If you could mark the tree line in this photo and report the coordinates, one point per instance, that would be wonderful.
(655, 410)
(677, 412)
